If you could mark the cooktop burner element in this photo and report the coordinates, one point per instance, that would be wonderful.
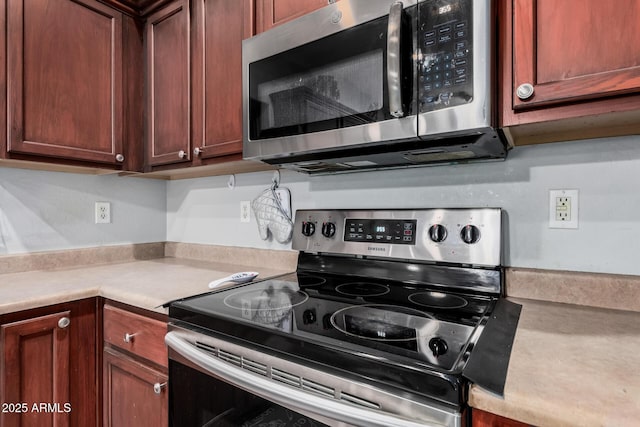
(362, 289)
(438, 300)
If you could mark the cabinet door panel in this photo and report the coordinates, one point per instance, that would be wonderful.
(168, 83)
(575, 50)
(270, 13)
(35, 367)
(129, 396)
(219, 28)
(64, 80)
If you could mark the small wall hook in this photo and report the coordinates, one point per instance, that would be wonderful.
(275, 180)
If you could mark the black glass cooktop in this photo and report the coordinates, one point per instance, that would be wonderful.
(393, 320)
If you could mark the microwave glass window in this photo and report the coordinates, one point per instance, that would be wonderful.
(337, 81)
(350, 87)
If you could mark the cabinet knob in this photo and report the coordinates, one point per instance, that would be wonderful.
(128, 337)
(119, 158)
(182, 154)
(64, 322)
(197, 151)
(157, 387)
(525, 91)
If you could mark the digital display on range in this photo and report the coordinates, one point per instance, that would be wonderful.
(391, 231)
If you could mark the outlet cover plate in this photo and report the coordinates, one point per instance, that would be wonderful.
(245, 211)
(563, 208)
(103, 212)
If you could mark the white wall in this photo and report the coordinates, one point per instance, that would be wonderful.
(42, 211)
(606, 172)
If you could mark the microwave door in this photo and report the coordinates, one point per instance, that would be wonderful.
(345, 87)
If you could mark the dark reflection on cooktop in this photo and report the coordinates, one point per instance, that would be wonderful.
(271, 306)
(438, 300)
(362, 289)
(307, 281)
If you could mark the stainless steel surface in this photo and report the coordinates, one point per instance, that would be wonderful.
(394, 79)
(305, 29)
(478, 114)
(330, 398)
(119, 158)
(525, 91)
(64, 322)
(485, 252)
(128, 337)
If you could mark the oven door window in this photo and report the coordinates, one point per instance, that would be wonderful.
(199, 400)
(335, 82)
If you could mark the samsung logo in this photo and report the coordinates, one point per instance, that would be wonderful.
(371, 248)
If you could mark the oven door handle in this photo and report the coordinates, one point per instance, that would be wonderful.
(297, 400)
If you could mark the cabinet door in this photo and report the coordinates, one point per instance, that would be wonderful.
(134, 394)
(487, 419)
(43, 361)
(575, 50)
(270, 13)
(219, 27)
(168, 85)
(35, 370)
(64, 80)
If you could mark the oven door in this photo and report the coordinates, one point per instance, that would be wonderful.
(217, 383)
(341, 76)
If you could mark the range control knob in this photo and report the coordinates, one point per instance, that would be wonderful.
(438, 346)
(438, 233)
(328, 229)
(470, 234)
(308, 228)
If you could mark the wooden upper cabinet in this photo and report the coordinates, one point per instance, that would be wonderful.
(270, 13)
(581, 57)
(168, 85)
(219, 26)
(64, 80)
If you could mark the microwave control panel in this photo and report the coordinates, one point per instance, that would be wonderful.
(445, 75)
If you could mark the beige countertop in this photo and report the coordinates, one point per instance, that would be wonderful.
(145, 283)
(570, 365)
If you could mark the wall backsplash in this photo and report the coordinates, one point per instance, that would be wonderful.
(43, 211)
(605, 171)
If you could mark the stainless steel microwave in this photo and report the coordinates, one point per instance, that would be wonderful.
(371, 84)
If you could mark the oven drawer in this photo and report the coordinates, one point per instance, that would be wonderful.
(136, 334)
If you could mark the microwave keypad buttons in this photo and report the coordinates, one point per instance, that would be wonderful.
(446, 74)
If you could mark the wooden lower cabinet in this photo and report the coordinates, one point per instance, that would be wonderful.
(486, 419)
(135, 368)
(48, 366)
(134, 393)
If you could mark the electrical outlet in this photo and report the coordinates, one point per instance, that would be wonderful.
(103, 212)
(563, 208)
(245, 211)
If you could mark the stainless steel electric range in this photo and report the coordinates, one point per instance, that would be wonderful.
(387, 319)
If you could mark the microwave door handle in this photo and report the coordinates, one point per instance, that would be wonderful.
(394, 80)
(284, 395)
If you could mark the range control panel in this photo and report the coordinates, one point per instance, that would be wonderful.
(400, 232)
(463, 236)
